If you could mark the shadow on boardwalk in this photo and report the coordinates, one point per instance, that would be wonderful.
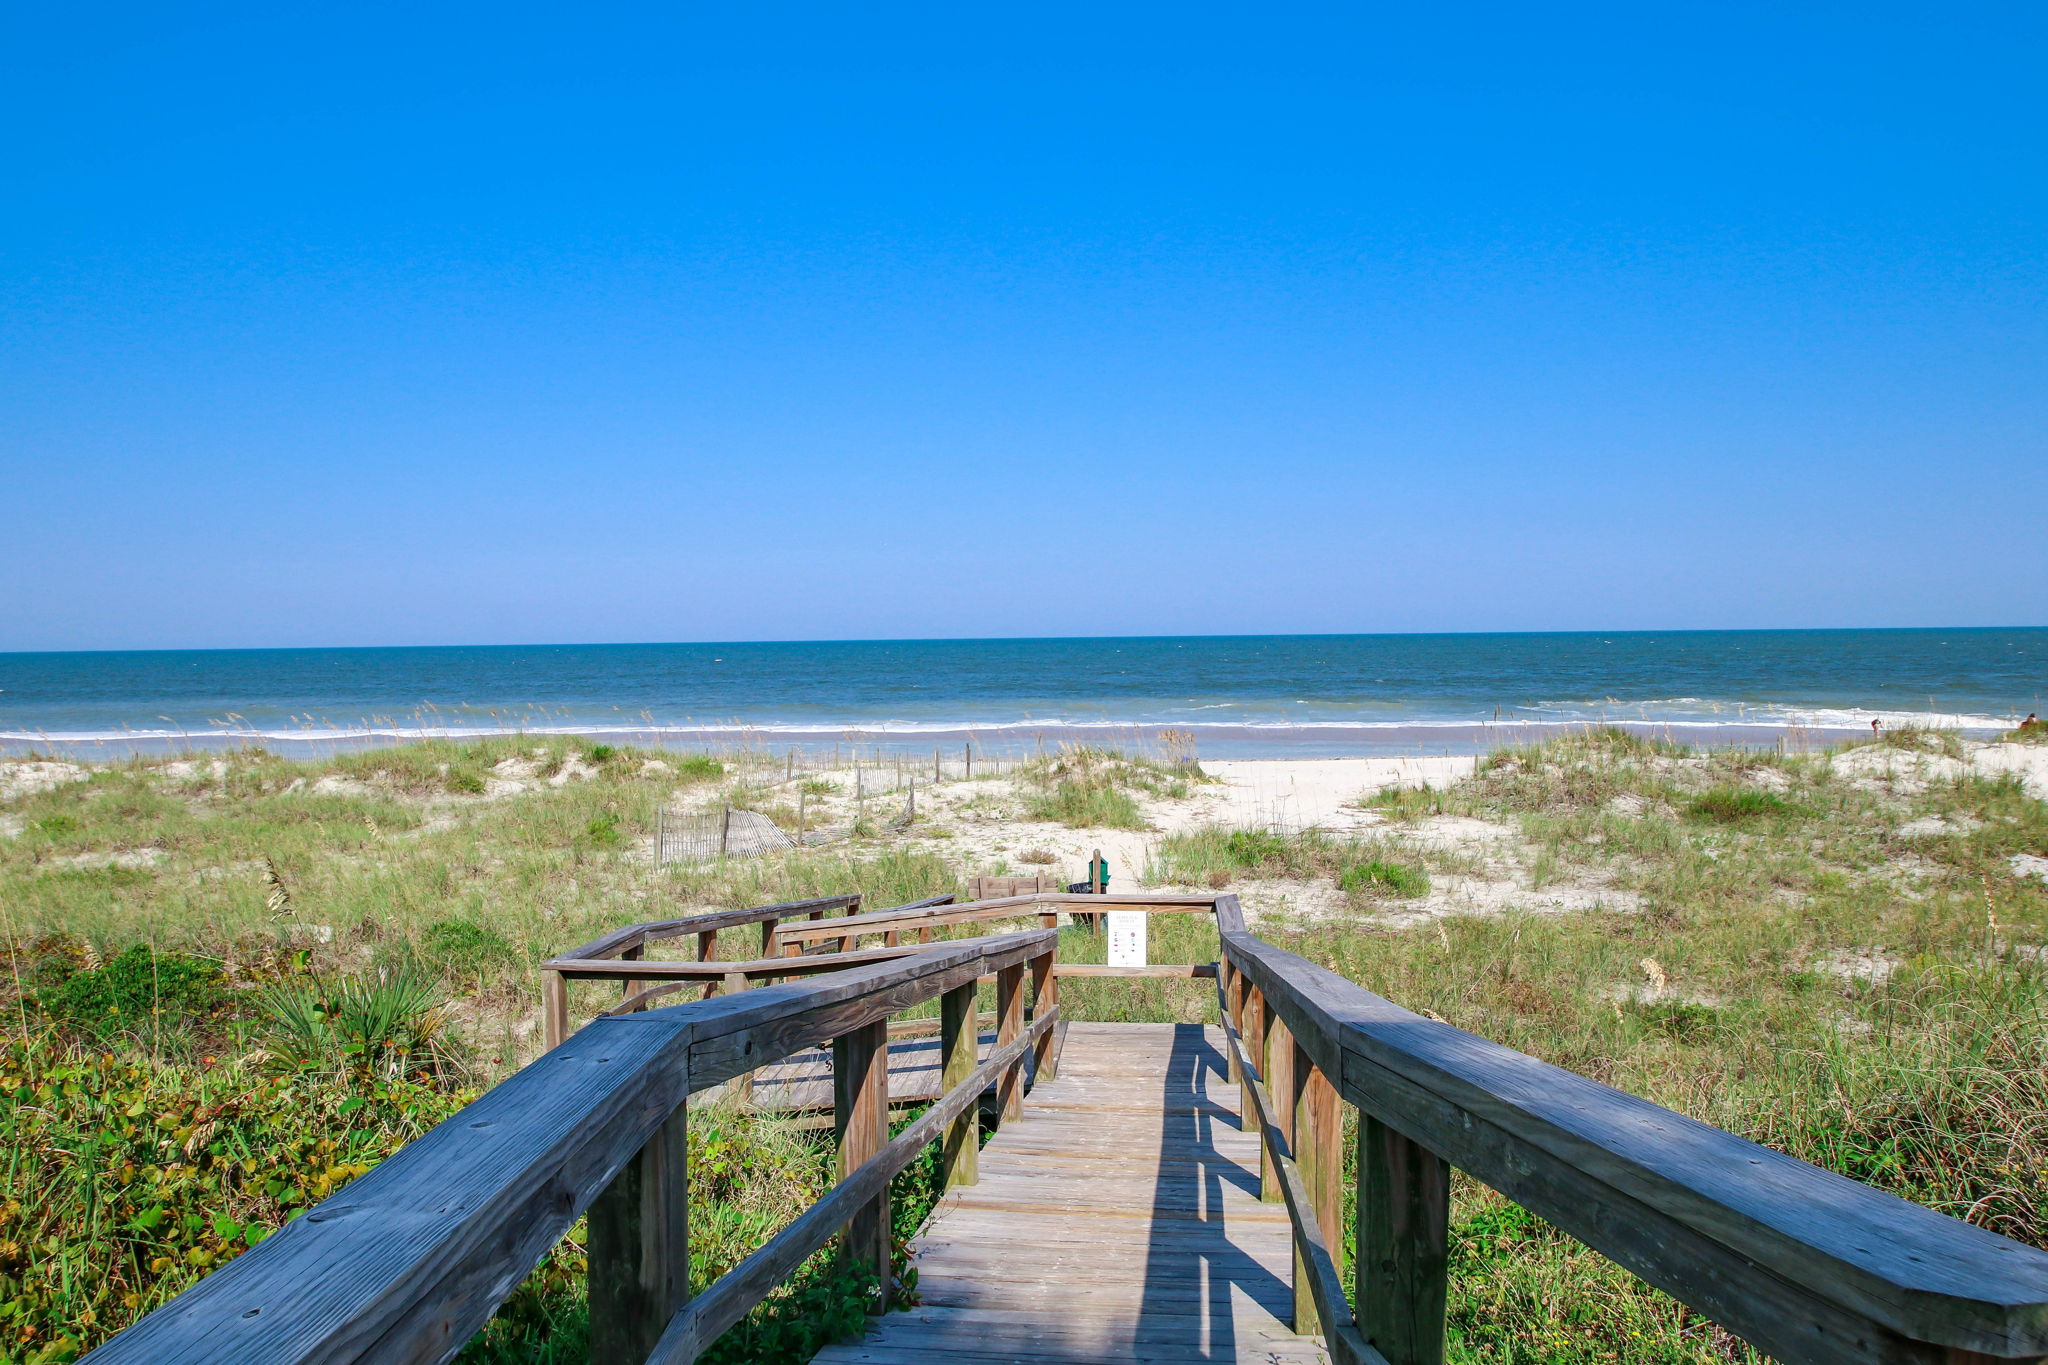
(1118, 1220)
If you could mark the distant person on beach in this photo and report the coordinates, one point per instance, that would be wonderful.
(1875, 725)
(2032, 723)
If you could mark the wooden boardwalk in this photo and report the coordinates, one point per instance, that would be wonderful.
(1118, 1220)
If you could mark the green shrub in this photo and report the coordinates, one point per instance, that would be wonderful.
(1739, 805)
(604, 832)
(600, 753)
(1250, 847)
(130, 1180)
(137, 990)
(467, 781)
(464, 949)
(1377, 878)
(699, 766)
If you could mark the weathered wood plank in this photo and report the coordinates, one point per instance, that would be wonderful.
(1404, 1207)
(638, 1245)
(860, 1111)
(1105, 1228)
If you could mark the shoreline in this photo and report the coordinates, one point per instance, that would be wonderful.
(1219, 741)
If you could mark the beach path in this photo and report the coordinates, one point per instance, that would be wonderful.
(1118, 1220)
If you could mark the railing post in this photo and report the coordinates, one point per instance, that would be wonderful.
(860, 1109)
(707, 951)
(1319, 1153)
(1404, 1203)
(554, 1009)
(1278, 1064)
(742, 1084)
(1045, 993)
(1252, 1030)
(768, 928)
(630, 987)
(639, 1248)
(1009, 1026)
(959, 1048)
(1233, 1014)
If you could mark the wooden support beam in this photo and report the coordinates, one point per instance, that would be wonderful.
(1319, 1152)
(554, 1009)
(959, 1030)
(639, 1252)
(1009, 1024)
(1045, 994)
(860, 1109)
(1279, 1068)
(1252, 1013)
(1404, 1204)
(630, 987)
(743, 1084)
(1233, 1016)
(707, 951)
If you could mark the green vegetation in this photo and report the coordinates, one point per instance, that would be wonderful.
(1087, 787)
(1838, 962)
(1738, 805)
(130, 995)
(1374, 877)
(1216, 857)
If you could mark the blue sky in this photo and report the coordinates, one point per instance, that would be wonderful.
(380, 324)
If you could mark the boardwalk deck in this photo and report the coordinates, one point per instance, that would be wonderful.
(1118, 1220)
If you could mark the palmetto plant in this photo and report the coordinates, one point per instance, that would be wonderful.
(387, 1024)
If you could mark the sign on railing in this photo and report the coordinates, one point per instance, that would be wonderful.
(1127, 938)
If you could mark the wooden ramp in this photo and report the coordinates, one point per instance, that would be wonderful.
(1118, 1220)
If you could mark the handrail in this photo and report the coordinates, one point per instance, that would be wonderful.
(406, 1263)
(1804, 1264)
(1041, 903)
(618, 955)
(634, 935)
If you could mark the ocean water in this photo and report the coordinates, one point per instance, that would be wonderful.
(1241, 696)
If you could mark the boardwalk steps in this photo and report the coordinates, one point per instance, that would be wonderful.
(1118, 1220)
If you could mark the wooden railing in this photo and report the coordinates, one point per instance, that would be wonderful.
(1806, 1265)
(410, 1260)
(793, 947)
(407, 1263)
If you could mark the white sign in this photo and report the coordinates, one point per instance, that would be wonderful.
(1127, 938)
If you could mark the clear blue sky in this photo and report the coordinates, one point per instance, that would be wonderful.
(382, 324)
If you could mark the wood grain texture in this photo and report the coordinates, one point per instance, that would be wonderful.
(959, 1024)
(1052, 1258)
(638, 1245)
(1319, 1152)
(860, 1112)
(1404, 1210)
(1009, 1025)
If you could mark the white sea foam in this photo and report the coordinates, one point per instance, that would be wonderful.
(1627, 713)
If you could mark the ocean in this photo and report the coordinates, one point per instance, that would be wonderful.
(1240, 696)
